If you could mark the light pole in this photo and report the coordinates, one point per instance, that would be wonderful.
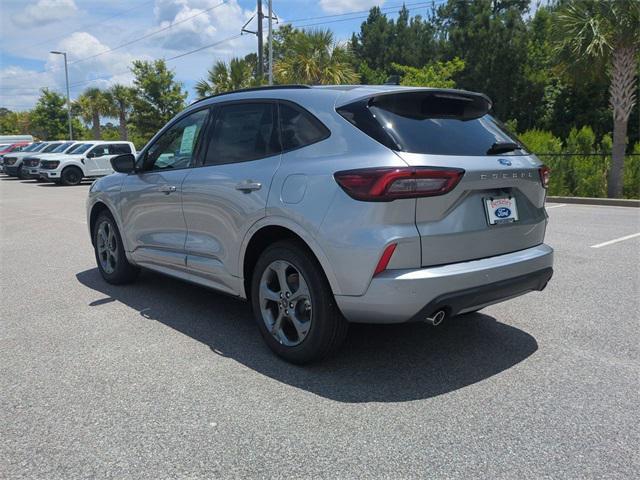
(66, 76)
(270, 43)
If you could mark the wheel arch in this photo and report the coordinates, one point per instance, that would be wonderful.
(263, 234)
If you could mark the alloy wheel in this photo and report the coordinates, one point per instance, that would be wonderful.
(107, 246)
(285, 303)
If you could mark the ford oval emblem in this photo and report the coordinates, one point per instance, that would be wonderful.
(504, 161)
(503, 212)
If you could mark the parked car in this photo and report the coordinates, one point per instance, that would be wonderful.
(323, 206)
(13, 161)
(31, 163)
(8, 148)
(90, 160)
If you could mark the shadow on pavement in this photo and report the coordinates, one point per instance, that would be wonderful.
(378, 363)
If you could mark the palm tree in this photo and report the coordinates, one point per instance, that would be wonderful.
(120, 97)
(224, 78)
(313, 57)
(607, 33)
(94, 103)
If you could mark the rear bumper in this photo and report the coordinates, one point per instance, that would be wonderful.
(397, 296)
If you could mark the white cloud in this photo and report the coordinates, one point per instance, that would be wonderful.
(44, 12)
(112, 67)
(197, 22)
(346, 6)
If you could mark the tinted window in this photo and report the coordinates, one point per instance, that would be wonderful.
(34, 147)
(424, 123)
(299, 128)
(175, 147)
(119, 148)
(243, 132)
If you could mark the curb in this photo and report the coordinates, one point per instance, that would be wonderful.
(611, 202)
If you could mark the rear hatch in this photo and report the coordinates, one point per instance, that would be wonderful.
(498, 205)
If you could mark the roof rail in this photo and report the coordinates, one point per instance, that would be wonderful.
(253, 89)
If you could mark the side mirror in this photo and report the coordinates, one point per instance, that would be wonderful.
(125, 163)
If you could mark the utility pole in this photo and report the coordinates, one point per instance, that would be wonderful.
(271, 43)
(260, 57)
(66, 76)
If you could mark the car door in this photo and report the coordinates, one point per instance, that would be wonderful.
(93, 160)
(228, 193)
(151, 206)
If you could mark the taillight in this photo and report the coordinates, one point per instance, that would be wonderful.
(545, 175)
(384, 259)
(387, 184)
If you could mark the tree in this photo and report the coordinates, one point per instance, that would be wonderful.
(314, 58)
(121, 98)
(49, 117)
(93, 104)
(239, 73)
(606, 33)
(157, 99)
(436, 75)
(14, 123)
(491, 37)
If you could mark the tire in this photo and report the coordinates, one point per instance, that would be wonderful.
(109, 252)
(71, 176)
(306, 323)
(19, 173)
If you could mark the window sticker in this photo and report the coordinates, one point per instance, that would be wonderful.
(188, 138)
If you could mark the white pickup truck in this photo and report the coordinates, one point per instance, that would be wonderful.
(91, 159)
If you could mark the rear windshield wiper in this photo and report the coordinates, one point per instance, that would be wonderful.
(502, 147)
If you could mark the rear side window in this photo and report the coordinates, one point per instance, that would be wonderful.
(299, 128)
(430, 124)
(119, 148)
(243, 132)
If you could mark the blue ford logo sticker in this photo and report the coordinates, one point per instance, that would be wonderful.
(502, 212)
(504, 161)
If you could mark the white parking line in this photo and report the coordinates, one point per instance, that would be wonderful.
(557, 206)
(616, 240)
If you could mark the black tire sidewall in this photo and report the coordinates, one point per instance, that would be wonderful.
(65, 172)
(319, 340)
(124, 271)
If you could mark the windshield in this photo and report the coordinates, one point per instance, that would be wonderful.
(80, 148)
(33, 147)
(62, 147)
(50, 148)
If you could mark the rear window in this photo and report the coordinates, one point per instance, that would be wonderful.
(428, 123)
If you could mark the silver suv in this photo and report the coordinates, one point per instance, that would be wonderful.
(329, 205)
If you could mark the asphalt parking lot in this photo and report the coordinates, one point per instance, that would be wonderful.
(163, 379)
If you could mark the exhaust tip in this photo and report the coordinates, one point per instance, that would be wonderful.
(437, 318)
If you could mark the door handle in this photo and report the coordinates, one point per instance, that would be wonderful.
(167, 189)
(248, 186)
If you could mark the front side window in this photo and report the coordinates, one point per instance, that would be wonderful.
(299, 128)
(99, 151)
(176, 147)
(243, 132)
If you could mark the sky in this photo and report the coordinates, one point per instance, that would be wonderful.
(102, 37)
